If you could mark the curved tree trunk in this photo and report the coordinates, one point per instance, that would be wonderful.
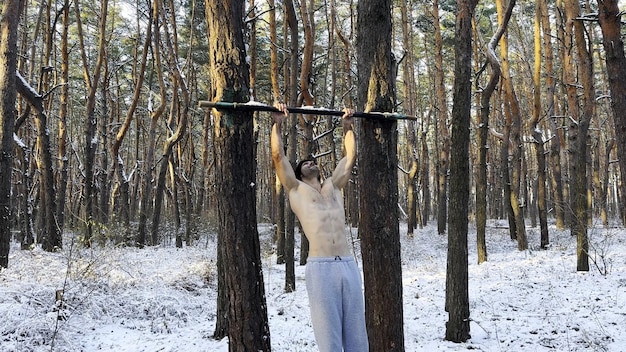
(91, 80)
(178, 120)
(117, 163)
(483, 132)
(50, 236)
(146, 194)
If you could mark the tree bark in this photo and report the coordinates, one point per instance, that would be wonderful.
(512, 111)
(248, 327)
(579, 129)
(610, 23)
(378, 228)
(155, 115)
(117, 163)
(178, 123)
(8, 67)
(457, 297)
(483, 132)
(50, 236)
(62, 153)
(557, 134)
(91, 121)
(441, 129)
(538, 133)
(412, 208)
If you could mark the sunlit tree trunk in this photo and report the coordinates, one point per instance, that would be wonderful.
(425, 175)
(512, 111)
(278, 196)
(538, 133)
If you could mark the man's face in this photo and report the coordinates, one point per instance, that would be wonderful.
(309, 168)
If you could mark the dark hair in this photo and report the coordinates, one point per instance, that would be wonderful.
(298, 169)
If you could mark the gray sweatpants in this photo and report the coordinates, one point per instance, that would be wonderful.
(336, 301)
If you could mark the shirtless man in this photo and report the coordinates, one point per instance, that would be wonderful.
(333, 279)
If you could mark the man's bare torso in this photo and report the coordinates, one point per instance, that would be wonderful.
(322, 217)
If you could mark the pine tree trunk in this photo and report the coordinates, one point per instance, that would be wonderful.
(537, 133)
(442, 128)
(378, 188)
(580, 138)
(8, 95)
(146, 186)
(248, 328)
(62, 154)
(610, 23)
(457, 297)
(91, 81)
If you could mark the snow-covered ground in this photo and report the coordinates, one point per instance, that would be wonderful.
(163, 299)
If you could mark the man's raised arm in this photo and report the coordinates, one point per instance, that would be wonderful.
(343, 171)
(284, 170)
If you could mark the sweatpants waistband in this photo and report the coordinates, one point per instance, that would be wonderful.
(337, 258)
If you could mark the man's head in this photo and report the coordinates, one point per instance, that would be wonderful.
(298, 170)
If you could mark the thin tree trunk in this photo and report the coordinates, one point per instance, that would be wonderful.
(483, 132)
(50, 233)
(605, 183)
(8, 95)
(442, 127)
(411, 145)
(579, 129)
(91, 122)
(146, 195)
(118, 166)
(62, 153)
(512, 111)
(538, 134)
(555, 146)
(180, 85)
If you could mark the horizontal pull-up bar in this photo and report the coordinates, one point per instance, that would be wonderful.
(254, 106)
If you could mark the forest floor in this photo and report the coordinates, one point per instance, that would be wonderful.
(164, 299)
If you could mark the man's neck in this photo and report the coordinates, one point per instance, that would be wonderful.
(313, 182)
